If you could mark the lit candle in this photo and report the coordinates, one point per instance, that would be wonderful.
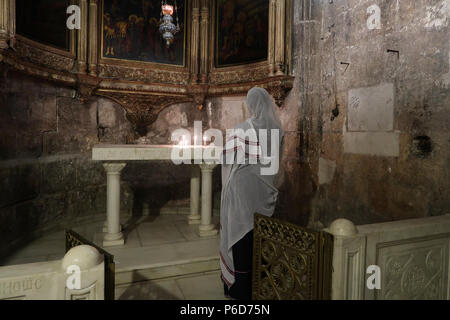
(205, 141)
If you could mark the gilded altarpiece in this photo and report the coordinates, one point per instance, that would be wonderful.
(118, 53)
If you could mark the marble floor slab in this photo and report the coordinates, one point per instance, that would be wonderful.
(207, 286)
(155, 234)
(202, 287)
(154, 290)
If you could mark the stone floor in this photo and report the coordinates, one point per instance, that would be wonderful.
(206, 286)
(163, 258)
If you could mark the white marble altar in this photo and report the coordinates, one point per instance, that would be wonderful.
(201, 159)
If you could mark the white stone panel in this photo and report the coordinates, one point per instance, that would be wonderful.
(436, 15)
(371, 108)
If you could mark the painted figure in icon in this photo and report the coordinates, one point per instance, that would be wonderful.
(131, 32)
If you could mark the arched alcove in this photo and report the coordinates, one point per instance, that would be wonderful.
(222, 49)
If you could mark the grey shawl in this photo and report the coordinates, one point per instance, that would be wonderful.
(245, 191)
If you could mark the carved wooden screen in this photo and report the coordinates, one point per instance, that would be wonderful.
(290, 262)
(73, 239)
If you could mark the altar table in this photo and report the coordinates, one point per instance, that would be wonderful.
(202, 159)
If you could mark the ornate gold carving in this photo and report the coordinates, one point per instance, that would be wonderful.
(150, 75)
(36, 70)
(87, 85)
(198, 94)
(290, 263)
(142, 108)
(279, 88)
(239, 75)
(42, 55)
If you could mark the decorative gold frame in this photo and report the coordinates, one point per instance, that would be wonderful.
(71, 52)
(214, 41)
(144, 89)
(145, 64)
(290, 262)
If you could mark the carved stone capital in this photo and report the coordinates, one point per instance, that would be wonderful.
(86, 86)
(280, 88)
(198, 94)
(3, 40)
(114, 168)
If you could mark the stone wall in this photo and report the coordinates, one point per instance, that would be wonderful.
(373, 96)
(46, 176)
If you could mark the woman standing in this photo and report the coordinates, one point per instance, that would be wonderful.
(247, 189)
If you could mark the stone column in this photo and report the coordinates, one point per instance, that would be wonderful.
(12, 23)
(114, 235)
(93, 37)
(3, 24)
(272, 27)
(7, 23)
(195, 39)
(206, 227)
(289, 33)
(280, 28)
(83, 38)
(204, 41)
(195, 217)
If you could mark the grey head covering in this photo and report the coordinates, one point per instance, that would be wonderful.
(262, 108)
